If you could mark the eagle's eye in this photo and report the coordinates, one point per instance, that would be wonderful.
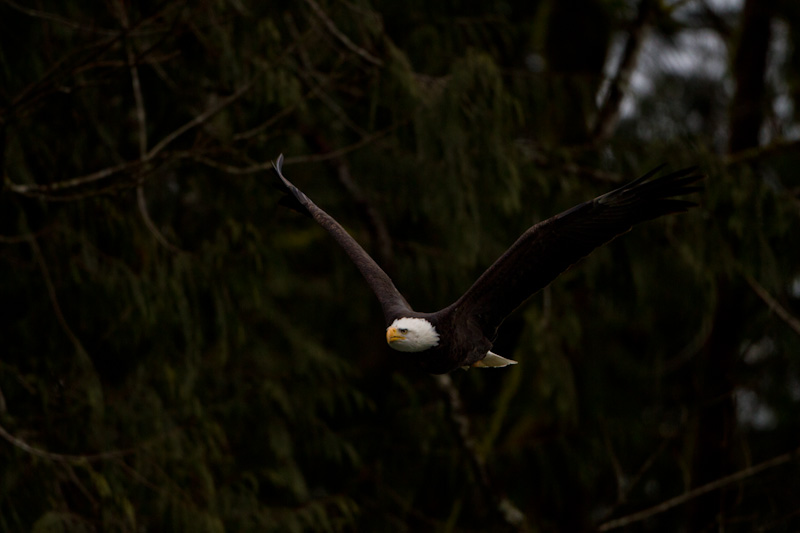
(403, 330)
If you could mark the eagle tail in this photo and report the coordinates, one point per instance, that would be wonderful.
(492, 360)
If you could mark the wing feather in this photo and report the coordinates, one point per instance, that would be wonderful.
(391, 300)
(548, 248)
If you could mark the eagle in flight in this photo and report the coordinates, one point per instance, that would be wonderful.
(462, 334)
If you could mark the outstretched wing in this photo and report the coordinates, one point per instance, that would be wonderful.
(391, 300)
(547, 249)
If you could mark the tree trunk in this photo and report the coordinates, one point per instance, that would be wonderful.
(715, 383)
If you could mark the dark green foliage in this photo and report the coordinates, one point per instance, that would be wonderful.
(180, 353)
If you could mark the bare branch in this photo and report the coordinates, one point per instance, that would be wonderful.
(141, 164)
(74, 182)
(757, 153)
(44, 15)
(341, 36)
(608, 114)
(503, 506)
(699, 491)
(71, 63)
(61, 457)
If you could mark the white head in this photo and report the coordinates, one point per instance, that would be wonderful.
(412, 335)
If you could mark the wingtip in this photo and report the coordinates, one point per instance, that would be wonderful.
(278, 165)
(286, 185)
(293, 198)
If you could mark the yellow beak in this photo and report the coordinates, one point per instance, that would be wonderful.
(392, 335)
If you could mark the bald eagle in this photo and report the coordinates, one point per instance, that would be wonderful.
(462, 334)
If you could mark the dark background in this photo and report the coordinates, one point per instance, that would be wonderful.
(180, 353)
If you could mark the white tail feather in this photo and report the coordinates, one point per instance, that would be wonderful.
(492, 360)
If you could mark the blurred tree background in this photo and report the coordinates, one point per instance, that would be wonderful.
(180, 353)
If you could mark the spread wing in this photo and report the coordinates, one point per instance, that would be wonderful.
(548, 248)
(391, 300)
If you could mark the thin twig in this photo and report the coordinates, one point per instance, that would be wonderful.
(200, 119)
(310, 158)
(622, 496)
(51, 292)
(141, 121)
(619, 472)
(772, 303)
(81, 487)
(83, 457)
(252, 132)
(752, 155)
(18, 239)
(699, 491)
(317, 82)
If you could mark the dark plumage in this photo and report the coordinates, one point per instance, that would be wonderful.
(464, 331)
